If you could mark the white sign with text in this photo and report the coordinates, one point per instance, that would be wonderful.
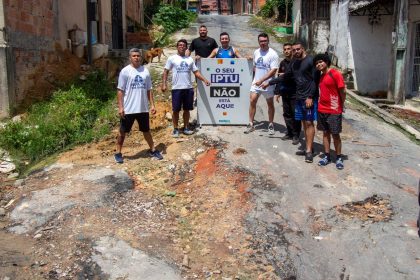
(226, 100)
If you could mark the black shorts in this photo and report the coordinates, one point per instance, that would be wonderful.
(182, 98)
(142, 119)
(330, 122)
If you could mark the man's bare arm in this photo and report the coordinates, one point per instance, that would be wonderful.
(213, 54)
(120, 99)
(151, 102)
(342, 92)
(266, 76)
(164, 79)
(199, 76)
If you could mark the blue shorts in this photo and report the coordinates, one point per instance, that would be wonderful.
(182, 98)
(306, 114)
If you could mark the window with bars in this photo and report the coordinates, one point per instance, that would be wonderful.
(315, 9)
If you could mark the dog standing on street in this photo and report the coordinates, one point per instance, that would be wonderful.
(152, 53)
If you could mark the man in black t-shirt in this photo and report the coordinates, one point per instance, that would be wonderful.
(302, 72)
(287, 91)
(203, 45)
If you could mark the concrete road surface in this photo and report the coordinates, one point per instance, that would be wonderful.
(315, 222)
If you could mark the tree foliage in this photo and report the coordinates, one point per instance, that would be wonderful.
(282, 9)
(173, 18)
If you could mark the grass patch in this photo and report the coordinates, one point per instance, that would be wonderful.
(266, 26)
(78, 114)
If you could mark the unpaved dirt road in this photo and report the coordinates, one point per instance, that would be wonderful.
(221, 205)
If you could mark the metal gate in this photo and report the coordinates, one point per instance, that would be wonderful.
(415, 89)
(117, 24)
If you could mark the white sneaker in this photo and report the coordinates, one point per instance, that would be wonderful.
(249, 128)
(271, 129)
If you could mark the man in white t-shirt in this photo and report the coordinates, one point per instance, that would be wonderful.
(182, 88)
(134, 95)
(266, 63)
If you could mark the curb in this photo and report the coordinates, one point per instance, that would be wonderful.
(389, 118)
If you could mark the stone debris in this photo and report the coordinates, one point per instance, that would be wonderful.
(13, 175)
(373, 209)
(19, 183)
(186, 261)
(119, 260)
(168, 116)
(6, 163)
(186, 157)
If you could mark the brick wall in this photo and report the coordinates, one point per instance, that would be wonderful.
(32, 30)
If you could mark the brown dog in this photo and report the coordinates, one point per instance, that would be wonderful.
(152, 53)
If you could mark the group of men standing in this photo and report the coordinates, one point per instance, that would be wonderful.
(311, 91)
(309, 88)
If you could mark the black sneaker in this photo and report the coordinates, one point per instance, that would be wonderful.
(309, 157)
(295, 140)
(300, 153)
(155, 154)
(286, 137)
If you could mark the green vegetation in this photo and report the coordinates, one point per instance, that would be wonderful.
(264, 26)
(78, 114)
(173, 18)
(281, 9)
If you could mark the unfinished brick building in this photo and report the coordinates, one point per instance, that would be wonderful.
(35, 43)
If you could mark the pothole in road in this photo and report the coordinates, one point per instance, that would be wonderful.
(240, 151)
(374, 209)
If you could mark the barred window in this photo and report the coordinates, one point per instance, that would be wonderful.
(323, 9)
(315, 9)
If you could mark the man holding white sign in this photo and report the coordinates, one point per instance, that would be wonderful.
(182, 88)
(266, 63)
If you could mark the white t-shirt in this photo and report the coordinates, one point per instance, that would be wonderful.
(181, 67)
(264, 62)
(135, 82)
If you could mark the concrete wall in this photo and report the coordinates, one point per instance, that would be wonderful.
(320, 34)
(339, 35)
(315, 34)
(413, 17)
(296, 17)
(304, 33)
(106, 23)
(71, 13)
(371, 48)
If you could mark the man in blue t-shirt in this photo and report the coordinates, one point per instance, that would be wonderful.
(225, 51)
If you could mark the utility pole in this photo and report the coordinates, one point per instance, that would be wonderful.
(7, 68)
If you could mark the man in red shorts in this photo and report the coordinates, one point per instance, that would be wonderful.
(330, 108)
